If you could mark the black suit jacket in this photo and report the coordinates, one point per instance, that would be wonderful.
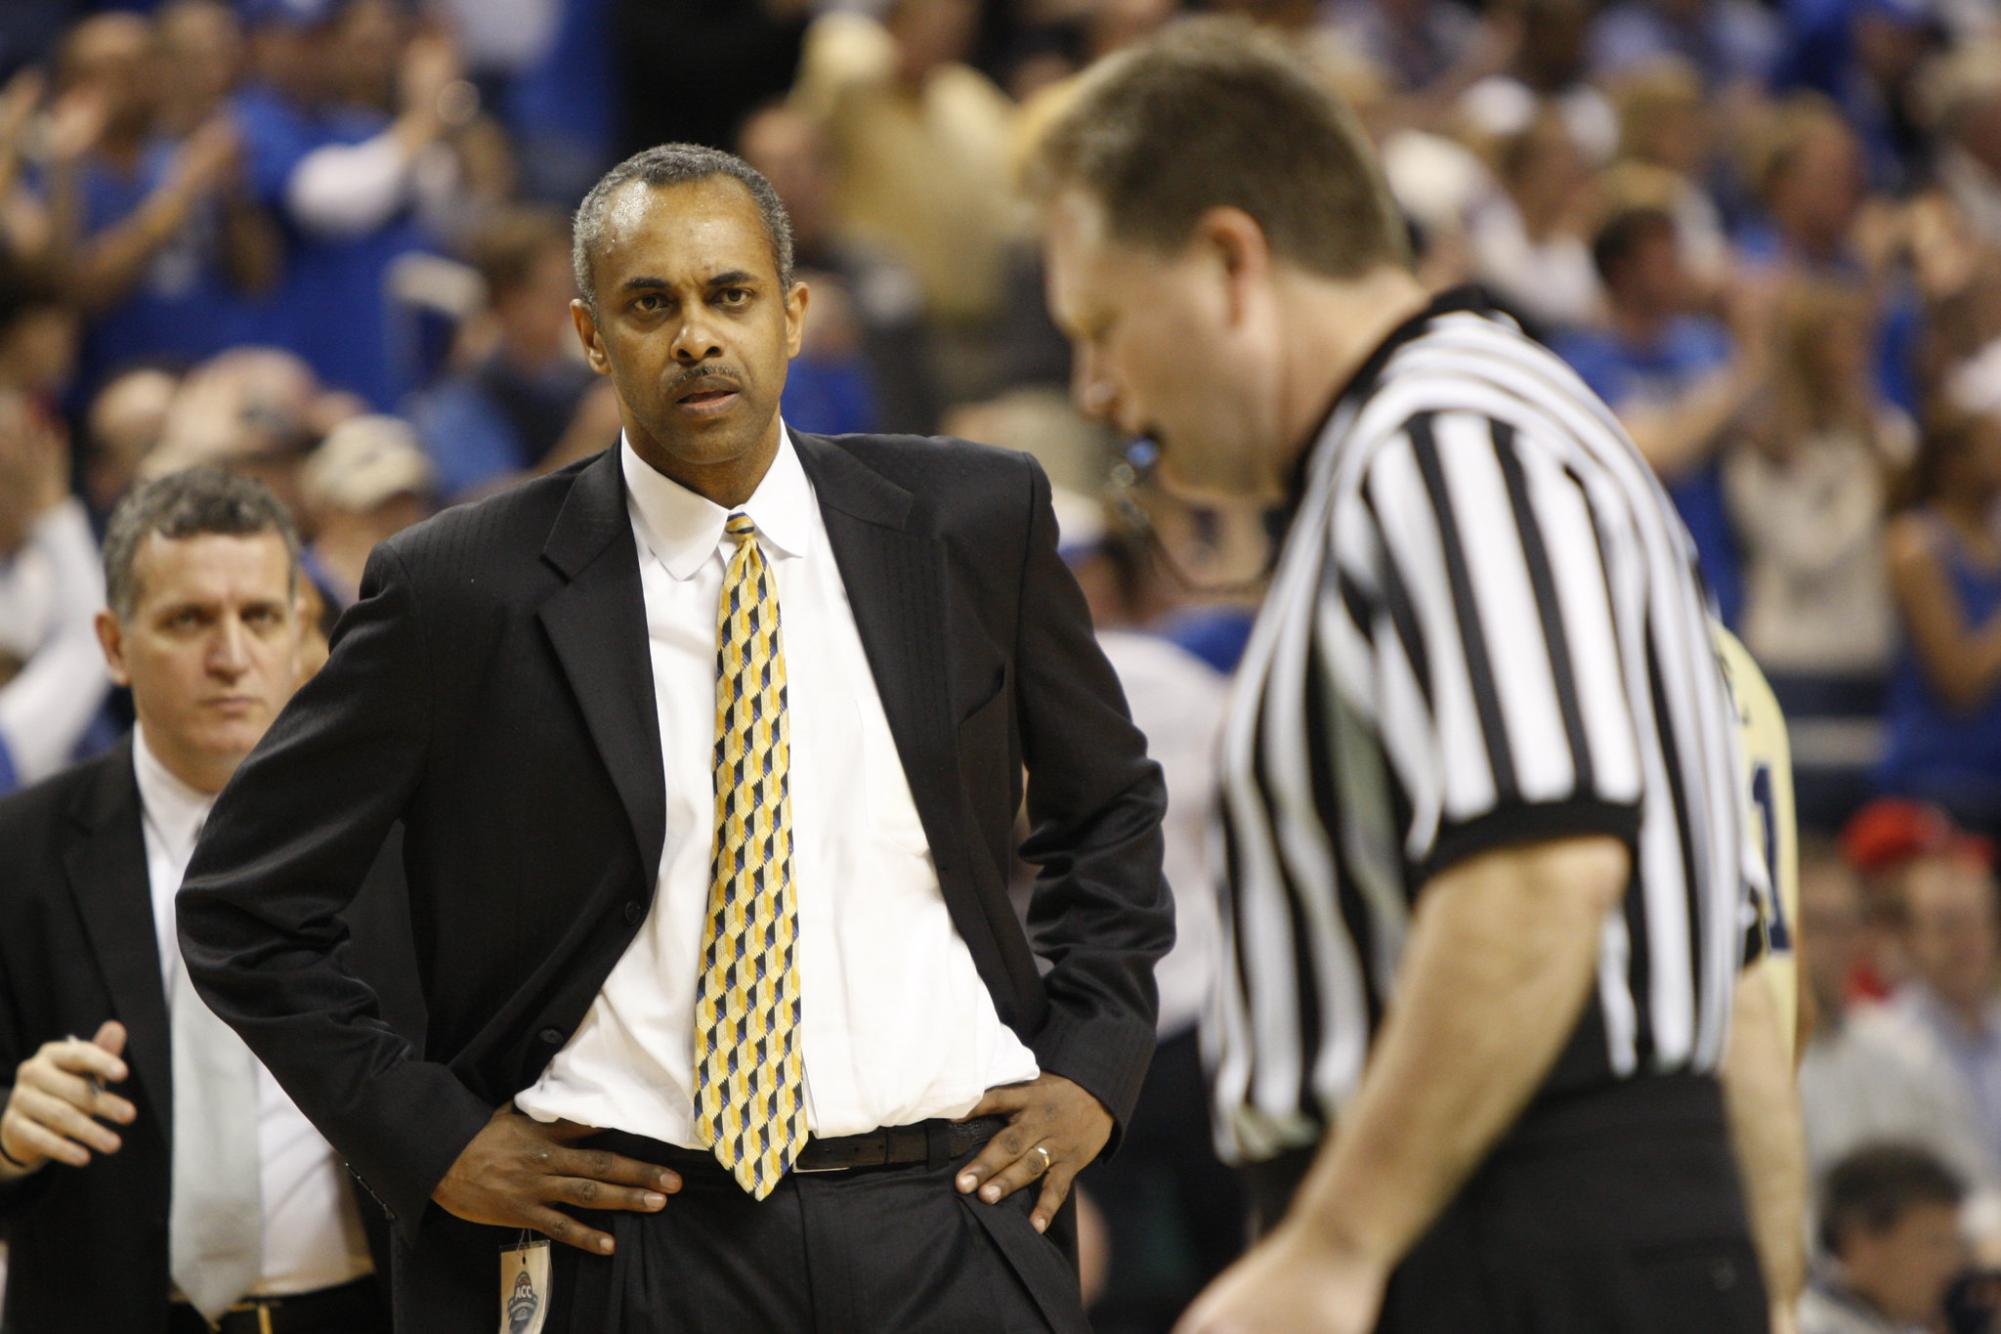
(492, 689)
(77, 947)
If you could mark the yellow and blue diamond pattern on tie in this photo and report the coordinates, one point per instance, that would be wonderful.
(749, 1081)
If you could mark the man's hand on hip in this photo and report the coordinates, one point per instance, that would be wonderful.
(516, 1169)
(1054, 1129)
(58, 1096)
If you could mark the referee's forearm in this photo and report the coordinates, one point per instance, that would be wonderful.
(1501, 958)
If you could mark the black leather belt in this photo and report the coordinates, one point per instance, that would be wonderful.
(351, 1306)
(895, 1146)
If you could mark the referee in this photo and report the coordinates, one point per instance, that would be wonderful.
(1491, 890)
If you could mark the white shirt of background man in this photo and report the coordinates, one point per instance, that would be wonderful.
(312, 1234)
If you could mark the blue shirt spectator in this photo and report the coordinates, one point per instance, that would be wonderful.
(1621, 373)
(333, 308)
(513, 409)
(1939, 752)
(1663, 370)
(1944, 715)
(184, 306)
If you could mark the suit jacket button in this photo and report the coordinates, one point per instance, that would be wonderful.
(552, 1036)
(633, 912)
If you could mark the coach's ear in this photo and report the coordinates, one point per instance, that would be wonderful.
(587, 334)
(1238, 247)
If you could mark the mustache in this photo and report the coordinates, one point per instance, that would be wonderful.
(705, 378)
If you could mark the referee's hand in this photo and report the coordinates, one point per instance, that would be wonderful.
(1054, 1130)
(1292, 1280)
(517, 1169)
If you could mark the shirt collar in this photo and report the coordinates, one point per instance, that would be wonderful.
(1362, 382)
(174, 809)
(683, 530)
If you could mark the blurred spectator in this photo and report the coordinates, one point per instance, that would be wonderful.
(345, 123)
(25, 236)
(529, 58)
(514, 406)
(921, 144)
(1808, 495)
(1675, 379)
(1868, 1073)
(1728, 42)
(256, 410)
(1809, 177)
(365, 483)
(1667, 126)
(168, 246)
(38, 338)
(1548, 46)
(874, 294)
(1529, 240)
(1808, 174)
(1864, 54)
(1944, 717)
(1969, 157)
(1418, 43)
(1883, 841)
(1890, 1231)
(1951, 918)
(51, 680)
(201, 47)
(124, 424)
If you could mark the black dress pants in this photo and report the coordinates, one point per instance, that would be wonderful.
(870, 1249)
(1613, 1212)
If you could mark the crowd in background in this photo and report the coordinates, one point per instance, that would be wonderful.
(326, 242)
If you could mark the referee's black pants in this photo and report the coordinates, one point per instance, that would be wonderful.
(1613, 1212)
(868, 1249)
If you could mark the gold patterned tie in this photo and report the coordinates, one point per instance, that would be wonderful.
(749, 1095)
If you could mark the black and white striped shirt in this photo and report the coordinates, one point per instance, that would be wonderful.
(1484, 629)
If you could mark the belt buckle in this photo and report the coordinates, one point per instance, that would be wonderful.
(261, 1307)
(798, 1167)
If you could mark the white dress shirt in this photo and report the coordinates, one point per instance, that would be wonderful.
(896, 1025)
(312, 1234)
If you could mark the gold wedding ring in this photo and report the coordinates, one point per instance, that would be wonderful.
(1044, 1151)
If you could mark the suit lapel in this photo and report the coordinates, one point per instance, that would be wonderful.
(597, 623)
(106, 864)
(895, 577)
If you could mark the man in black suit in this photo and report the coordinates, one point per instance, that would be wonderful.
(708, 751)
(133, 1121)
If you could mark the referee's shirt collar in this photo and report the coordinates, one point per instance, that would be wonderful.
(1468, 297)
(684, 529)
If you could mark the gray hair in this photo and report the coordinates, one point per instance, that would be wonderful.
(674, 164)
(191, 503)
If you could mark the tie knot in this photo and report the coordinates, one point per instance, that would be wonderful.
(740, 526)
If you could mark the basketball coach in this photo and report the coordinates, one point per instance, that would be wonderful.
(707, 752)
(1490, 894)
